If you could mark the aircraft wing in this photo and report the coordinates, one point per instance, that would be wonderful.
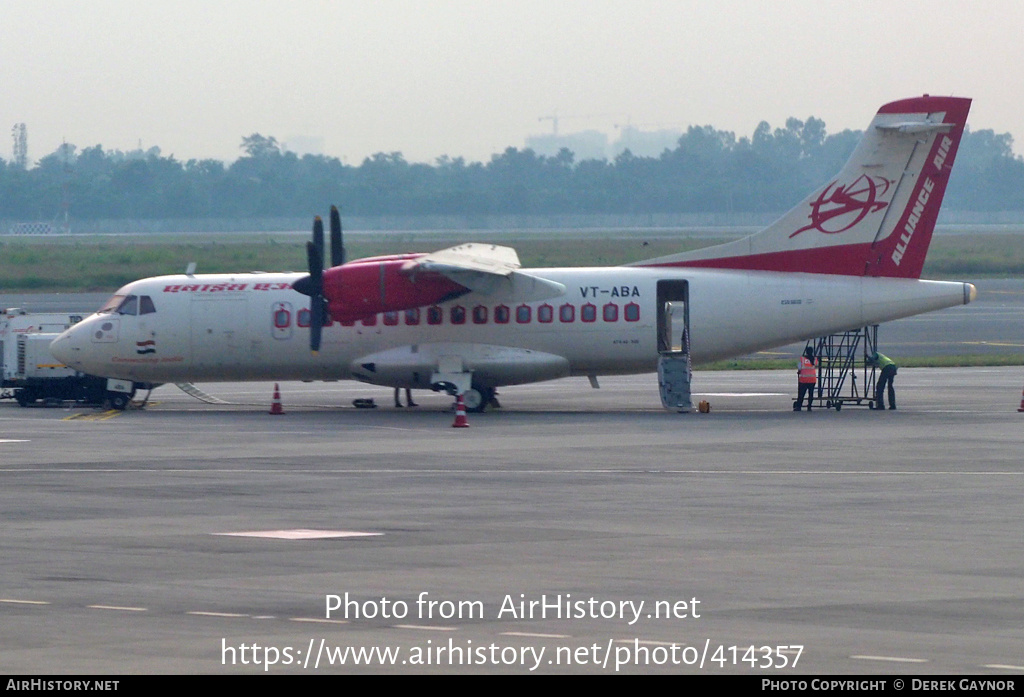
(491, 270)
(486, 258)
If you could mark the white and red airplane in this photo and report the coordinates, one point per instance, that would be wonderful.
(469, 319)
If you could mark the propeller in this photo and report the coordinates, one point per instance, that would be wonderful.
(313, 284)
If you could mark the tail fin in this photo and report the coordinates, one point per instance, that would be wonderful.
(876, 217)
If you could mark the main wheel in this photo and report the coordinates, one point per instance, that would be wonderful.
(477, 398)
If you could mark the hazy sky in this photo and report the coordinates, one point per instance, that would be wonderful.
(471, 77)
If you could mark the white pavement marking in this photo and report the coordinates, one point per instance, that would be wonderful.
(891, 659)
(13, 601)
(300, 534)
(118, 607)
(741, 394)
(535, 635)
(429, 629)
(202, 613)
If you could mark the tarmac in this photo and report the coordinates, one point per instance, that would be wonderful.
(571, 531)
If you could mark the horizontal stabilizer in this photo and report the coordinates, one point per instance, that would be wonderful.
(916, 127)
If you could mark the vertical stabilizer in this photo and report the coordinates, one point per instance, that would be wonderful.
(876, 217)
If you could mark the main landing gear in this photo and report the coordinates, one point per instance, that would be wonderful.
(477, 398)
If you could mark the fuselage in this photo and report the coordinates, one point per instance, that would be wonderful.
(610, 320)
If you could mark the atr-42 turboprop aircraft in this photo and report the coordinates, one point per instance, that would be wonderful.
(469, 319)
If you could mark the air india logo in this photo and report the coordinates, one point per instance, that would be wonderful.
(840, 207)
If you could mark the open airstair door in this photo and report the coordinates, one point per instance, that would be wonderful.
(674, 366)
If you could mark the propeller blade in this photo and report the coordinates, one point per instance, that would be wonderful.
(313, 283)
(315, 261)
(318, 237)
(337, 248)
(313, 286)
(316, 323)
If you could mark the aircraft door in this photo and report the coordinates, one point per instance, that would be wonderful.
(219, 331)
(673, 316)
(675, 369)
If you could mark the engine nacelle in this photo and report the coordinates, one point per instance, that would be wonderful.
(363, 288)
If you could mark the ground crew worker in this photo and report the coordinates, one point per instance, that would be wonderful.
(408, 397)
(888, 366)
(807, 376)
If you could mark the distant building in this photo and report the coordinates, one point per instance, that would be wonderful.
(594, 145)
(646, 143)
(304, 145)
(585, 145)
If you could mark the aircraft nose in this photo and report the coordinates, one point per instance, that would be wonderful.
(67, 348)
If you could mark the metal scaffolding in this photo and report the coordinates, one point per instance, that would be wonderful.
(842, 358)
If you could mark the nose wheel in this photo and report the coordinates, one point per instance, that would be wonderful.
(119, 400)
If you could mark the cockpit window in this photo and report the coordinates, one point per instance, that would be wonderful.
(124, 304)
(111, 305)
(130, 306)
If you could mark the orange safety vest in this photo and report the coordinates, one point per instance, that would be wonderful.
(807, 371)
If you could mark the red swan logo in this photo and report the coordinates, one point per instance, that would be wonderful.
(839, 207)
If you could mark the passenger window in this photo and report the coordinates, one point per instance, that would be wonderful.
(611, 312)
(391, 318)
(480, 314)
(545, 313)
(632, 312)
(412, 317)
(588, 313)
(501, 314)
(524, 313)
(282, 318)
(458, 315)
(434, 315)
(305, 318)
(567, 313)
(370, 321)
(146, 306)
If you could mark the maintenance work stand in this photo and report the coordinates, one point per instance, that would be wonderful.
(844, 376)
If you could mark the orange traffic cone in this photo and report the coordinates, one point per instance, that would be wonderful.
(1021, 401)
(460, 413)
(275, 406)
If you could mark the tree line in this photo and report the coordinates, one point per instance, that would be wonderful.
(708, 171)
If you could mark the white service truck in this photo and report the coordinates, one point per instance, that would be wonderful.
(32, 375)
